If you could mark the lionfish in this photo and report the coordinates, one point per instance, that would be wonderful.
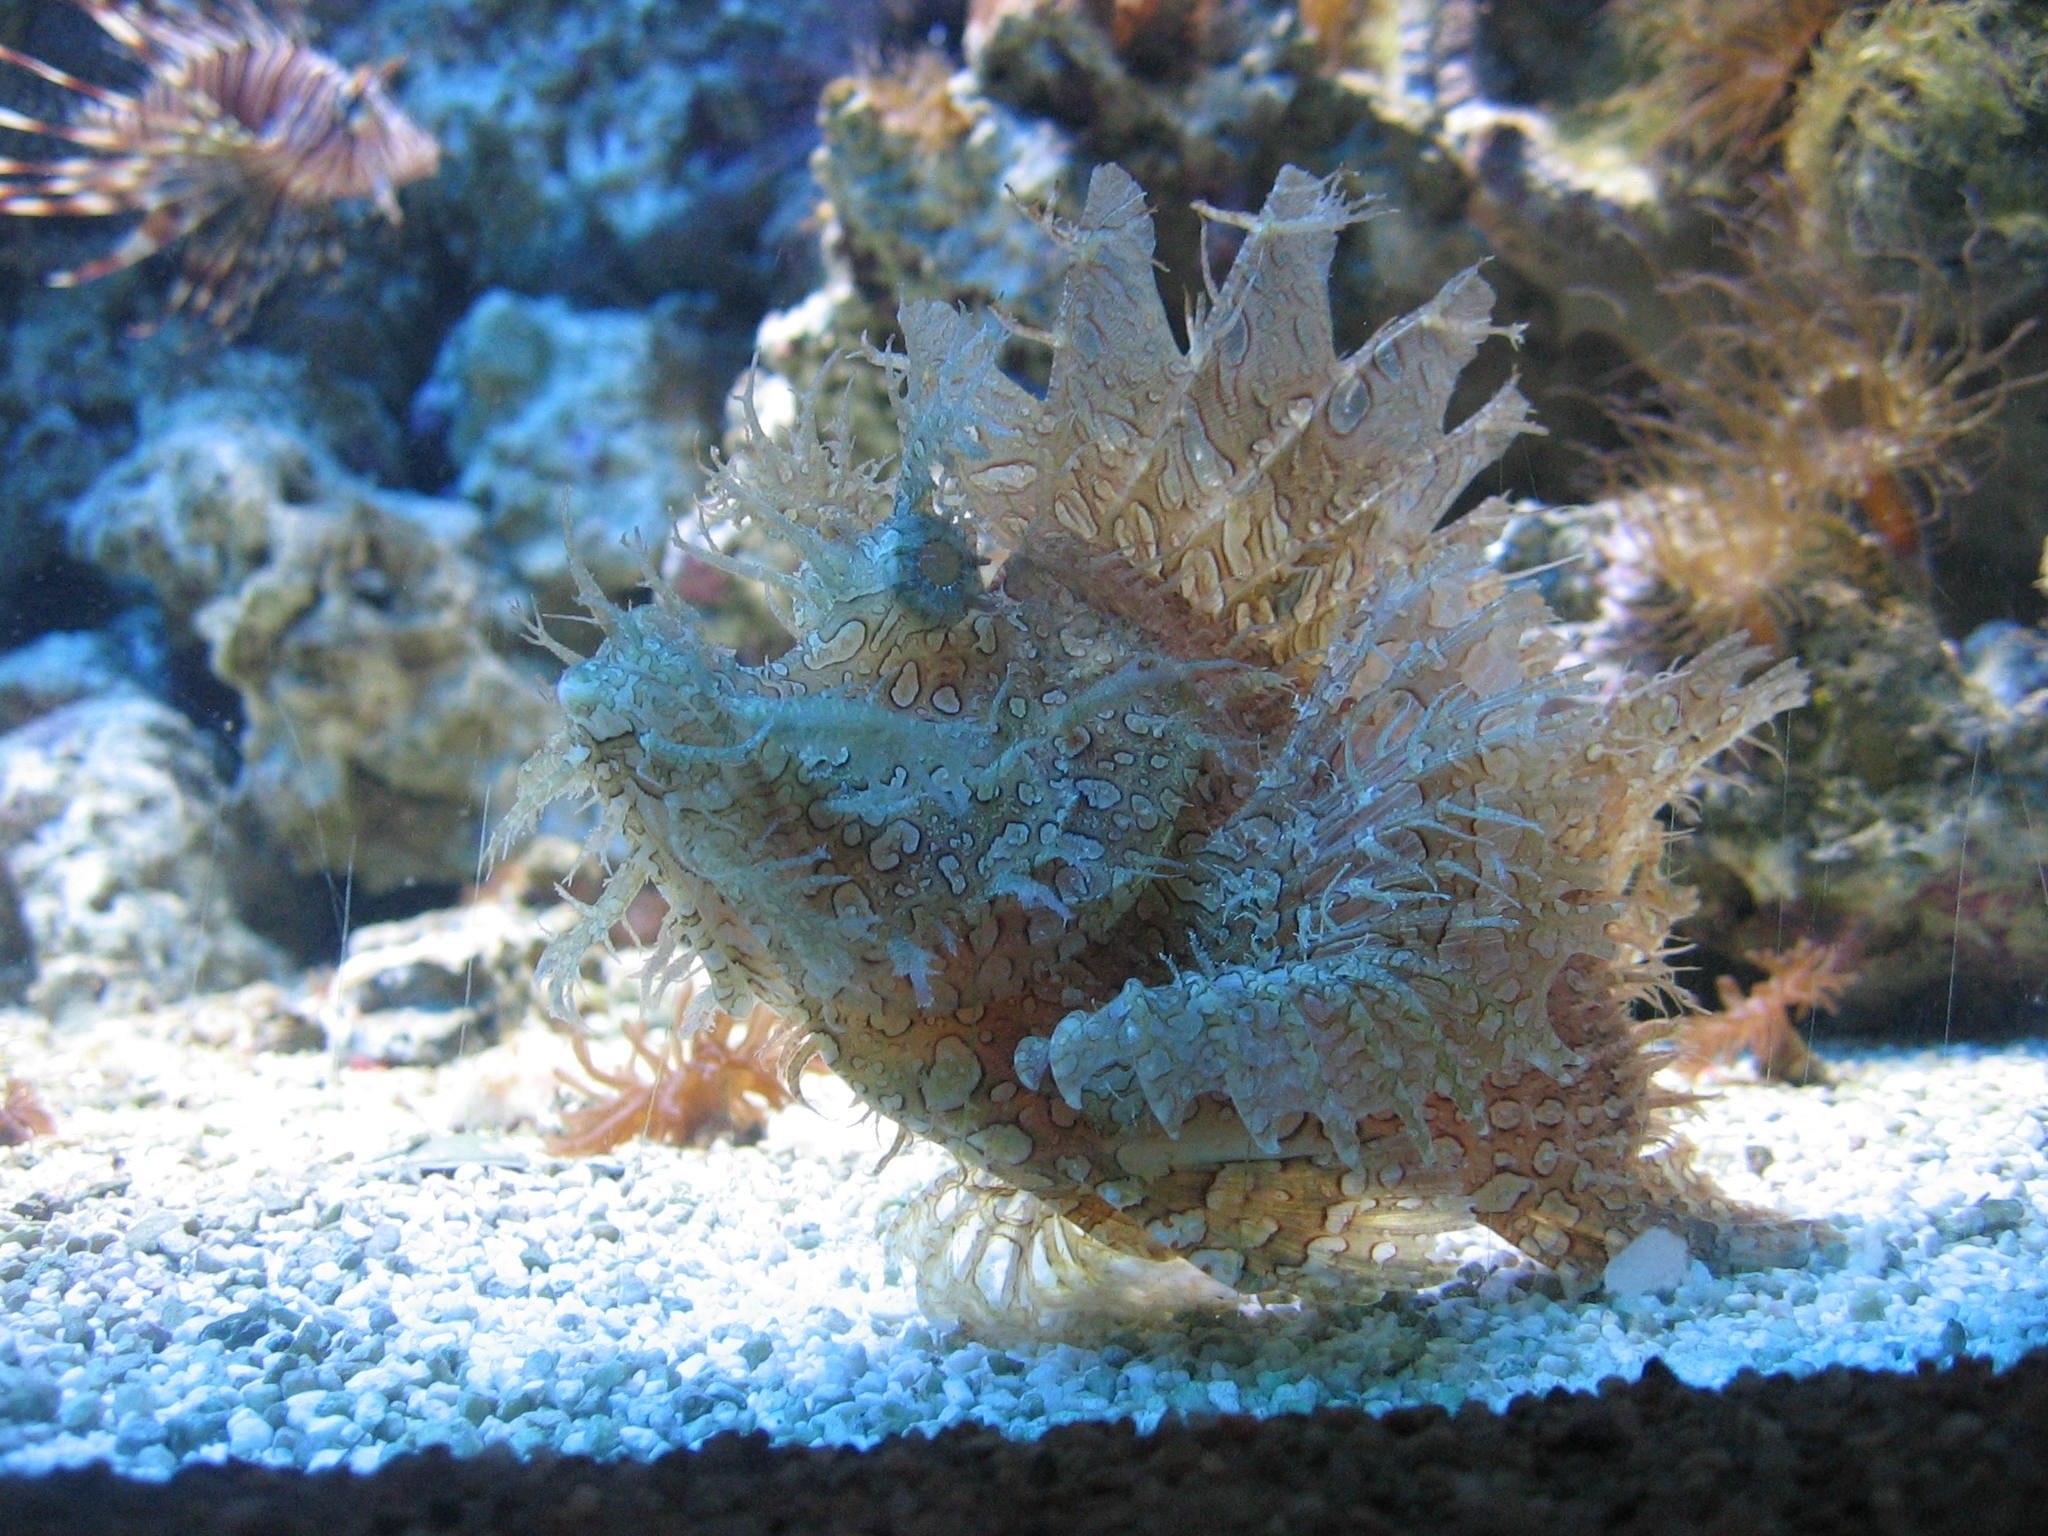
(1165, 809)
(237, 140)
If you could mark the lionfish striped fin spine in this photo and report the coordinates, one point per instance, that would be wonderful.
(115, 24)
(59, 77)
(82, 134)
(157, 230)
(62, 204)
(77, 173)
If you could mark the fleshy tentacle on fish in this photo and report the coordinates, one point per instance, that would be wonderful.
(1161, 810)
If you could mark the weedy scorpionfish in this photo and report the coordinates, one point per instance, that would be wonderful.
(1163, 808)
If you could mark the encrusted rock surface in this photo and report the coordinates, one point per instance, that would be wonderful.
(430, 988)
(585, 423)
(355, 624)
(612, 153)
(1905, 818)
(118, 854)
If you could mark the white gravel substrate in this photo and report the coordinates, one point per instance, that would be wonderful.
(238, 1256)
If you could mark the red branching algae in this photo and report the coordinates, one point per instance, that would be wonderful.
(22, 1116)
(1762, 1023)
(719, 1081)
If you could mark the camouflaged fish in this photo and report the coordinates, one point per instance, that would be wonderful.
(1159, 809)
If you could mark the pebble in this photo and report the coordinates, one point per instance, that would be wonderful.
(1656, 1263)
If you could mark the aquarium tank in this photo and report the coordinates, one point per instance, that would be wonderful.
(839, 717)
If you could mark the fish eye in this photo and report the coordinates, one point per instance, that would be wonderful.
(939, 565)
(932, 567)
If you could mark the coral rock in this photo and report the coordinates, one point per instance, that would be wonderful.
(351, 620)
(118, 861)
(1160, 809)
(615, 153)
(596, 419)
(1909, 822)
(427, 989)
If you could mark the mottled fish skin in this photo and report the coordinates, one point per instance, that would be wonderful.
(1160, 810)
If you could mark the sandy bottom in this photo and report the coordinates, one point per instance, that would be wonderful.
(271, 1258)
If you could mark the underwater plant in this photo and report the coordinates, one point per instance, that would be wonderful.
(1810, 428)
(1162, 808)
(1724, 71)
(1762, 1023)
(238, 140)
(719, 1080)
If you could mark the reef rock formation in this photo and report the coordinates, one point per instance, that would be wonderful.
(1161, 810)
(117, 861)
(352, 621)
(615, 153)
(1908, 823)
(552, 415)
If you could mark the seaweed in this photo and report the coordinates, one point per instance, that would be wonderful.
(1762, 1022)
(718, 1081)
(22, 1116)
